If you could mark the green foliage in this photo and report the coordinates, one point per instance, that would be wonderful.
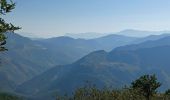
(167, 92)
(140, 89)
(5, 7)
(146, 85)
(6, 96)
(94, 93)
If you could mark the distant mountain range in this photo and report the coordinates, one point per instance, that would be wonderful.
(138, 33)
(116, 68)
(88, 35)
(127, 32)
(27, 58)
(30, 62)
(23, 60)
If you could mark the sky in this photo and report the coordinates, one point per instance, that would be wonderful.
(48, 18)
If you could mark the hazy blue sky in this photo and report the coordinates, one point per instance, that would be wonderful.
(56, 17)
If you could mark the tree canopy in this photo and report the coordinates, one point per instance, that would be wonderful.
(146, 85)
(5, 7)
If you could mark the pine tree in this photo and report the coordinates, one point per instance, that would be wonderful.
(146, 85)
(5, 7)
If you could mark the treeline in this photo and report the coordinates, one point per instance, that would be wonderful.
(104, 94)
(7, 96)
(144, 88)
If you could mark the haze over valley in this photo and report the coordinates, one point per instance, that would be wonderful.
(112, 60)
(84, 50)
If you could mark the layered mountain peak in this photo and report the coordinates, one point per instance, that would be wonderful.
(93, 58)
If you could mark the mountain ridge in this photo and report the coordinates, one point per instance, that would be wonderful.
(115, 68)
